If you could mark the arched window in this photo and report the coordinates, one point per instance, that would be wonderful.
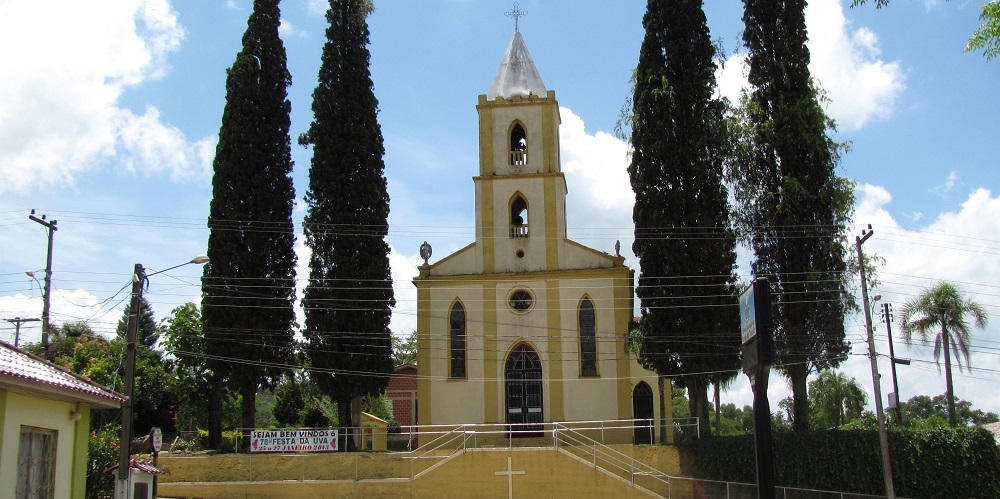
(518, 216)
(518, 145)
(456, 337)
(588, 338)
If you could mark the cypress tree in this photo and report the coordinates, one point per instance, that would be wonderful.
(249, 285)
(349, 296)
(147, 333)
(683, 236)
(794, 208)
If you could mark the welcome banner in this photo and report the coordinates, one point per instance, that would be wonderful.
(315, 440)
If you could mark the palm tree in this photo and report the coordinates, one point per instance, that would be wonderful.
(835, 399)
(943, 307)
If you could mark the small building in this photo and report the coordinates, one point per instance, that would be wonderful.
(45, 425)
(142, 478)
(402, 392)
(373, 432)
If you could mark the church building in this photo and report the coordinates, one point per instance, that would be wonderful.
(523, 326)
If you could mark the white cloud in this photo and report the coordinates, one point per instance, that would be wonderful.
(65, 306)
(958, 247)
(287, 29)
(860, 86)
(600, 199)
(318, 7)
(404, 268)
(949, 184)
(68, 64)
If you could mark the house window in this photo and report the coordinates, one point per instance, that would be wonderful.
(588, 339)
(518, 145)
(36, 463)
(457, 340)
(518, 216)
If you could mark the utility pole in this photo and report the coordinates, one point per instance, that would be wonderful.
(883, 437)
(138, 278)
(17, 327)
(887, 316)
(48, 282)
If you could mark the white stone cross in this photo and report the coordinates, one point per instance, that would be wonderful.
(510, 478)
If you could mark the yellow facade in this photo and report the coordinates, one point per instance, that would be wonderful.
(534, 472)
(533, 304)
(71, 423)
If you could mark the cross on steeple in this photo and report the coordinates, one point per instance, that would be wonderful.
(516, 13)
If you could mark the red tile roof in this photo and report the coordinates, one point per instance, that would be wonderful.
(27, 372)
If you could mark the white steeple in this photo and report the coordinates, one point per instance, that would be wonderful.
(517, 75)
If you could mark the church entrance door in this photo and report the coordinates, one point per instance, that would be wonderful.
(523, 377)
(642, 413)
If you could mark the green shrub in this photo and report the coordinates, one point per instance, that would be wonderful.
(102, 450)
(942, 462)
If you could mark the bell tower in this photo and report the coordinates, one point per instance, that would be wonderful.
(524, 326)
(520, 189)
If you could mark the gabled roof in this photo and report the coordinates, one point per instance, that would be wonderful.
(404, 367)
(25, 373)
(517, 75)
(143, 465)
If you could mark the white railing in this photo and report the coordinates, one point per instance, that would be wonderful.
(603, 457)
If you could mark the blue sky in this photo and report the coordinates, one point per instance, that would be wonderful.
(111, 112)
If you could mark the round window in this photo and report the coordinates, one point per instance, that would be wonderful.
(520, 300)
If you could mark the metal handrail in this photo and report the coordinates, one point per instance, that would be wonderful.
(614, 458)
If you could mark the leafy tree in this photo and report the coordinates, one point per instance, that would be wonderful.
(314, 414)
(835, 399)
(720, 381)
(349, 297)
(184, 340)
(73, 329)
(62, 339)
(404, 349)
(101, 360)
(986, 37)
(941, 310)
(922, 410)
(249, 284)
(154, 400)
(288, 403)
(102, 453)
(265, 409)
(792, 207)
(379, 406)
(147, 333)
(683, 236)
(735, 421)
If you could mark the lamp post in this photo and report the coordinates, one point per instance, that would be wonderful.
(139, 278)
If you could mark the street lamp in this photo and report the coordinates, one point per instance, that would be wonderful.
(139, 278)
